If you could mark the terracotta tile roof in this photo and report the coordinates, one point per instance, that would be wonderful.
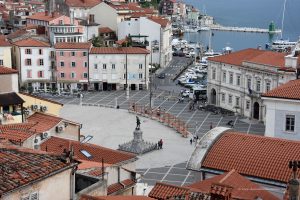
(4, 42)
(289, 90)
(42, 17)
(232, 182)
(43, 122)
(17, 34)
(16, 133)
(252, 155)
(29, 42)
(163, 22)
(109, 156)
(7, 70)
(83, 3)
(87, 197)
(20, 166)
(105, 30)
(71, 45)
(118, 186)
(118, 50)
(10, 98)
(270, 58)
(165, 191)
(41, 98)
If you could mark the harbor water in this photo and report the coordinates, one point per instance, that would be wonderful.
(245, 13)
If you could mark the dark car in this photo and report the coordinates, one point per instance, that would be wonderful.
(175, 53)
(162, 75)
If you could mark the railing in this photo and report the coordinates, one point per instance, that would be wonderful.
(161, 116)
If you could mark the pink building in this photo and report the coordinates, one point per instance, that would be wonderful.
(72, 65)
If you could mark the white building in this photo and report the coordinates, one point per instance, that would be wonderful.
(158, 33)
(237, 80)
(34, 61)
(5, 52)
(111, 68)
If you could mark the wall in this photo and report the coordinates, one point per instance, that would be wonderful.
(5, 55)
(57, 186)
(71, 131)
(105, 15)
(277, 109)
(9, 83)
(52, 108)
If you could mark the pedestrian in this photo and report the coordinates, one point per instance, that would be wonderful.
(197, 137)
(211, 126)
(191, 141)
(158, 144)
(161, 143)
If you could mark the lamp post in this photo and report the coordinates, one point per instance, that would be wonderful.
(150, 76)
(126, 84)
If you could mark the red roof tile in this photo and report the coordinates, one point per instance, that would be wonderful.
(29, 42)
(16, 133)
(87, 197)
(163, 22)
(4, 42)
(42, 17)
(109, 156)
(7, 70)
(20, 166)
(232, 182)
(118, 186)
(270, 58)
(43, 122)
(165, 191)
(253, 155)
(118, 50)
(105, 30)
(289, 90)
(71, 45)
(83, 3)
(41, 98)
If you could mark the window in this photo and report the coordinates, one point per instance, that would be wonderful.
(231, 78)
(237, 101)
(268, 86)
(230, 99)
(140, 66)
(113, 66)
(61, 53)
(72, 53)
(124, 76)
(224, 77)
(28, 61)
(140, 76)
(85, 64)
(223, 97)
(95, 66)
(238, 80)
(62, 64)
(62, 75)
(41, 51)
(290, 123)
(1, 62)
(60, 22)
(85, 75)
(258, 85)
(213, 74)
(73, 75)
(104, 66)
(247, 105)
(27, 51)
(73, 64)
(249, 83)
(29, 74)
(40, 74)
(41, 62)
(84, 53)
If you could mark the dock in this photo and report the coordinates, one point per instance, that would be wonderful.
(242, 29)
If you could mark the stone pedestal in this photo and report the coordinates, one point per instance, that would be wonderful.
(137, 145)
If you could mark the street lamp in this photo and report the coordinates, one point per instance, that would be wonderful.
(150, 76)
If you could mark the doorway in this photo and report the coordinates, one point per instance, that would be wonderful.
(256, 110)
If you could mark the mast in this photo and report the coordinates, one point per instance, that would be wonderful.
(282, 22)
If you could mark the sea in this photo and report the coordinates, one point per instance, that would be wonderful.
(247, 13)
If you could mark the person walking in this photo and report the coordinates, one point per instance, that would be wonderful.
(211, 126)
(191, 141)
(161, 143)
(158, 144)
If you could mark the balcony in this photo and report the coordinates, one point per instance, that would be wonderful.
(253, 94)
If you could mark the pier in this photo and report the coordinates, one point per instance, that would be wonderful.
(243, 29)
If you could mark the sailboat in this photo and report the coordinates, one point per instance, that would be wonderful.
(282, 45)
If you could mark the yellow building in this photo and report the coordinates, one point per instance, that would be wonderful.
(35, 103)
(5, 52)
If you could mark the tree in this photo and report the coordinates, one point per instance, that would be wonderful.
(97, 41)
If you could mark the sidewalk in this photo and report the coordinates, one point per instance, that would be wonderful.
(111, 127)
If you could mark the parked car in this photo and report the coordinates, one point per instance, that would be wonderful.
(186, 93)
(162, 76)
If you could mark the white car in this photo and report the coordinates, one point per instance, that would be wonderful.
(186, 93)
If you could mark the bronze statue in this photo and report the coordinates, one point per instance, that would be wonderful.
(138, 123)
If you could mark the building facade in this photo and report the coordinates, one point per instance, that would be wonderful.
(237, 80)
(111, 68)
(72, 65)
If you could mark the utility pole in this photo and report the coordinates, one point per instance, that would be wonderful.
(126, 61)
(150, 77)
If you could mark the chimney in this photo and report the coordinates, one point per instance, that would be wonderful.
(46, 12)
